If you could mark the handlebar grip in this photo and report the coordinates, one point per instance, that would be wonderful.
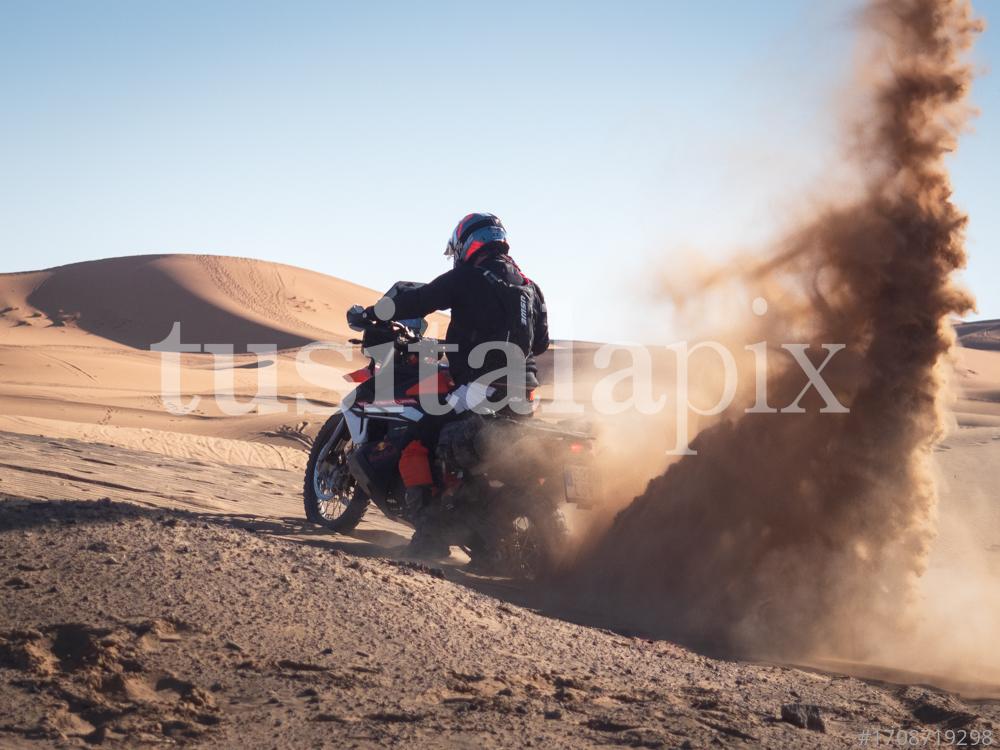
(356, 318)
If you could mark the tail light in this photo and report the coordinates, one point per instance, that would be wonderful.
(577, 447)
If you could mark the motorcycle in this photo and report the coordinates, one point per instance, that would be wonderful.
(502, 477)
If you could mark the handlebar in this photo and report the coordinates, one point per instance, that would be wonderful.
(363, 319)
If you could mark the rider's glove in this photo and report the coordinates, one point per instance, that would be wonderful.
(358, 317)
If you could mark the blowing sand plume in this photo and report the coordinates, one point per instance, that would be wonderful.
(791, 533)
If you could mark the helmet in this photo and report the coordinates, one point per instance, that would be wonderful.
(472, 233)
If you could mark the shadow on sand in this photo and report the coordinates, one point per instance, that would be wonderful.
(549, 599)
(21, 514)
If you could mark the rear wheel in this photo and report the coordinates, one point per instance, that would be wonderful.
(331, 495)
(539, 542)
(526, 546)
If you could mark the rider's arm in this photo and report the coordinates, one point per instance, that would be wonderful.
(541, 335)
(437, 295)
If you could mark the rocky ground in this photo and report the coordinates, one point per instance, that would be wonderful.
(125, 624)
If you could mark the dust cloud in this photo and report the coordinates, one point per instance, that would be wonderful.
(789, 535)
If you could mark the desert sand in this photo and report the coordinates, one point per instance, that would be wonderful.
(76, 361)
(160, 585)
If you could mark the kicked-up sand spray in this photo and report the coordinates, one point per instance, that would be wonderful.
(792, 533)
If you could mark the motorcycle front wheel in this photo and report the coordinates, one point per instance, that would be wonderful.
(330, 493)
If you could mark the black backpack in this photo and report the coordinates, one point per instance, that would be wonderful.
(519, 305)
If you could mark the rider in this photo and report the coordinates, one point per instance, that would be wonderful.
(477, 290)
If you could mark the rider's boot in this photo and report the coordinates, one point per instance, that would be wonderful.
(421, 505)
(428, 539)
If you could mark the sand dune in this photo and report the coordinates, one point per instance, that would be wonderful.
(981, 334)
(977, 388)
(135, 300)
(74, 350)
(166, 443)
(74, 347)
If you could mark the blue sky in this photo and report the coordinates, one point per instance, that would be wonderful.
(350, 137)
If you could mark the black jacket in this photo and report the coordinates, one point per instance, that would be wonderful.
(475, 305)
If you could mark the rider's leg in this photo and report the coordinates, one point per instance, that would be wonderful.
(421, 506)
(415, 469)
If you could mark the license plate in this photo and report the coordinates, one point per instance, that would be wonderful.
(581, 484)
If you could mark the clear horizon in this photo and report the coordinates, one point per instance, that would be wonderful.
(349, 140)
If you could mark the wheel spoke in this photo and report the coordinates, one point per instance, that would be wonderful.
(333, 484)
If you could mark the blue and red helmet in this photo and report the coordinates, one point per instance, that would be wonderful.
(473, 233)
